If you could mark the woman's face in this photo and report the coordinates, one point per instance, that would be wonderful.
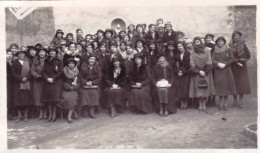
(70, 38)
(42, 53)
(32, 52)
(208, 39)
(14, 49)
(89, 49)
(159, 22)
(100, 34)
(139, 44)
(203, 40)
(168, 27)
(180, 47)
(170, 47)
(95, 44)
(129, 50)
(122, 47)
(138, 60)
(53, 53)
(72, 47)
(116, 63)
(79, 47)
(59, 35)
(80, 33)
(113, 49)
(152, 28)
(126, 38)
(103, 49)
(21, 55)
(139, 29)
(9, 55)
(131, 28)
(108, 34)
(63, 48)
(161, 59)
(71, 65)
(189, 45)
(221, 43)
(197, 42)
(152, 46)
(236, 37)
(83, 43)
(122, 34)
(88, 38)
(91, 60)
(161, 30)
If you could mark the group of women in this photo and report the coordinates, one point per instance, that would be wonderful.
(143, 70)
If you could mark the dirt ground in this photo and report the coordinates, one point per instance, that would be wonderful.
(186, 129)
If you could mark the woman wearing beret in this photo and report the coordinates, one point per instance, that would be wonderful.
(69, 96)
(115, 82)
(140, 83)
(36, 71)
(222, 59)
(182, 76)
(22, 85)
(90, 78)
(202, 84)
(163, 80)
(239, 67)
(52, 86)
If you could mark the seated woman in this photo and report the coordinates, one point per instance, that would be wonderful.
(69, 96)
(115, 83)
(163, 94)
(89, 78)
(140, 83)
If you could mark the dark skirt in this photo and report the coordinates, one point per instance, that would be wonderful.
(182, 86)
(141, 99)
(37, 93)
(241, 79)
(89, 97)
(69, 99)
(165, 96)
(51, 93)
(115, 97)
(23, 98)
(9, 94)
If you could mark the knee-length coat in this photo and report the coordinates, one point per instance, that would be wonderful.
(21, 97)
(52, 91)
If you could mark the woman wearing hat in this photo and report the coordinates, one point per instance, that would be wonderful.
(189, 45)
(22, 85)
(36, 71)
(122, 34)
(209, 42)
(153, 53)
(109, 34)
(79, 34)
(163, 80)
(169, 34)
(170, 53)
(114, 88)
(90, 77)
(141, 49)
(182, 76)
(140, 83)
(239, 67)
(56, 41)
(152, 34)
(140, 34)
(222, 59)
(69, 96)
(202, 84)
(101, 37)
(52, 86)
(113, 53)
(32, 53)
(69, 38)
(72, 52)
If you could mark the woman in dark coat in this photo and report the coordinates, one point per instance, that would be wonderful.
(115, 83)
(140, 83)
(9, 58)
(163, 79)
(22, 85)
(140, 34)
(239, 68)
(31, 53)
(52, 86)
(209, 42)
(36, 71)
(169, 35)
(140, 47)
(170, 53)
(89, 78)
(222, 59)
(152, 34)
(72, 52)
(69, 96)
(182, 76)
(57, 39)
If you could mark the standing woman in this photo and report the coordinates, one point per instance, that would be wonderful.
(209, 42)
(202, 84)
(22, 85)
(52, 86)
(182, 65)
(115, 83)
(36, 71)
(89, 78)
(31, 53)
(163, 80)
(239, 68)
(13, 48)
(140, 83)
(70, 87)
(222, 59)
(58, 38)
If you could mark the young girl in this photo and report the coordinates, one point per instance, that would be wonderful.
(222, 59)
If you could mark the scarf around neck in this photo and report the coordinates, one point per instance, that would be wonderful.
(71, 74)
